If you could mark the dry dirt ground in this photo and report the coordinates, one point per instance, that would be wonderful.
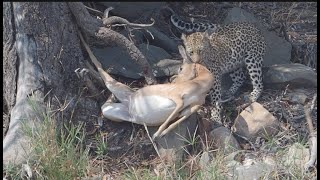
(128, 144)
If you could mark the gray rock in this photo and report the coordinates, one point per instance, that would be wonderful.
(278, 49)
(256, 121)
(167, 67)
(224, 140)
(117, 61)
(297, 75)
(133, 10)
(252, 171)
(172, 145)
(250, 168)
(297, 97)
(204, 159)
(297, 155)
(161, 40)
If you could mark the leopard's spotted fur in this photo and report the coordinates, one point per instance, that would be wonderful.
(227, 48)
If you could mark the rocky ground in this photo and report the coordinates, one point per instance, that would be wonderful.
(129, 145)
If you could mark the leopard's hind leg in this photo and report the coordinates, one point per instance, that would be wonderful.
(254, 67)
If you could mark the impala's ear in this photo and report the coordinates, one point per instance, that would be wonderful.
(210, 31)
(206, 34)
(184, 55)
(183, 37)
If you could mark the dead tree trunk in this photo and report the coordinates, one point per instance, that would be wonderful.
(41, 52)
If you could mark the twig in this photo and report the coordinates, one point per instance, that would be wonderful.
(312, 141)
(311, 109)
(150, 33)
(313, 102)
(283, 30)
(156, 149)
(94, 10)
(227, 100)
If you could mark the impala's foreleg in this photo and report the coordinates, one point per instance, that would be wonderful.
(179, 106)
(184, 115)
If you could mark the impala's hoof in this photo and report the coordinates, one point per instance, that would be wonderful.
(162, 134)
(155, 135)
(228, 98)
(81, 72)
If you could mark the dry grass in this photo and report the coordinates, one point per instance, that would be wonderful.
(55, 154)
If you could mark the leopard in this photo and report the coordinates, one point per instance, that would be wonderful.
(229, 48)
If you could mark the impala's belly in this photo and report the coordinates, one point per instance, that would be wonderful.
(152, 110)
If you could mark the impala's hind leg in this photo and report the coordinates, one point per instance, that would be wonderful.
(115, 111)
(121, 91)
(174, 114)
(185, 115)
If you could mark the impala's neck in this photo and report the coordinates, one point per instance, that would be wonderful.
(204, 77)
(191, 26)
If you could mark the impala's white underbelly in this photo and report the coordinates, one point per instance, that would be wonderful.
(152, 110)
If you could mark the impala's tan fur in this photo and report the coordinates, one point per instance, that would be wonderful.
(184, 96)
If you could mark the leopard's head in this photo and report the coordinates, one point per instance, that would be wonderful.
(195, 44)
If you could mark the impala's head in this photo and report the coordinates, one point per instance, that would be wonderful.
(188, 70)
(195, 43)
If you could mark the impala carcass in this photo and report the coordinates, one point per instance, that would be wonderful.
(164, 105)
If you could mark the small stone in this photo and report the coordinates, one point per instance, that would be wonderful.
(224, 140)
(256, 121)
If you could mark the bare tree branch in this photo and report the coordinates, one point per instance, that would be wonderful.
(94, 28)
(115, 19)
